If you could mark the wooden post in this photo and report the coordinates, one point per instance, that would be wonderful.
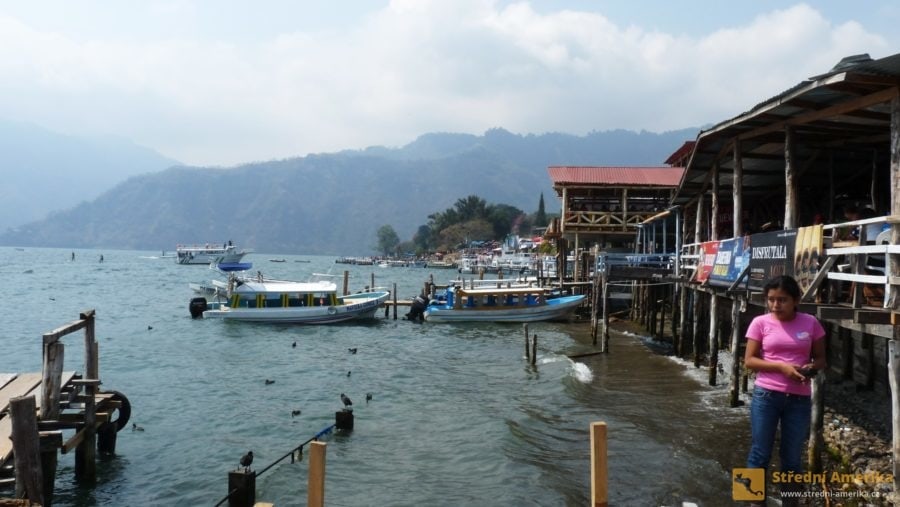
(243, 485)
(346, 289)
(372, 285)
(50, 443)
(527, 349)
(713, 338)
(316, 483)
(86, 452)
(816, 442)
(736, 358)
(790, 176)
(698, 302)
(51, 379)
(599, 484)
(893, 301)
(737, 190)
(894, 381)
(604, 347)
(394, 292)
(26, 448)
(534, 349)
(595, 302)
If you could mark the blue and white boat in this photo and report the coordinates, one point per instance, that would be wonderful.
(504, 304)
(289, 302)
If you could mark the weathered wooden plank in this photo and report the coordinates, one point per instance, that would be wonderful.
(6, 377)
(29, 476)
(20, 386)
(834, 313)
(872, 317)
(5, 441)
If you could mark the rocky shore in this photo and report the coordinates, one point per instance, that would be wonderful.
(857, 433)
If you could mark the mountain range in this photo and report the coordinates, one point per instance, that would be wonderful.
(44, 170)
(332, 204)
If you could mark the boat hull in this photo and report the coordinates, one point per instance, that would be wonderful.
(555, 309)
(357, 306)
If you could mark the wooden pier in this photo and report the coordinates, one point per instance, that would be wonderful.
(55, 412)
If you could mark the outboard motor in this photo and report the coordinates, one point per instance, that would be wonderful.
(197, 307)
(417, 308)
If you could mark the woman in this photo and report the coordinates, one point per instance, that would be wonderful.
(786, 349)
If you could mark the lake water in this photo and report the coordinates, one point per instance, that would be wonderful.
(458, 417)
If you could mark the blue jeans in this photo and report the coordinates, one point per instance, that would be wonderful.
(767, 410)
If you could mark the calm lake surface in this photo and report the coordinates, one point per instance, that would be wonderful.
(458, 417)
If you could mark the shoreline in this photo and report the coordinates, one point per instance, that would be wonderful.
(856, 431)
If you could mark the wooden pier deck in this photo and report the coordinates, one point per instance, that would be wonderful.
(54, 411)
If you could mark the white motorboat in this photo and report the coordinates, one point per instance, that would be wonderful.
(289, 302)
(206, 254)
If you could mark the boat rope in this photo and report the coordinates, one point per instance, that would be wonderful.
(298, 449)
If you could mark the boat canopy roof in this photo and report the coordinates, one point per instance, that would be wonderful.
(285, 287)
(503, 290)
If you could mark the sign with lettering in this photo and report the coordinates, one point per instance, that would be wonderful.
(732, 256)
(707, 259)
(771, 255)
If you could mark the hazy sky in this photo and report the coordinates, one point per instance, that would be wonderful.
(220, 82)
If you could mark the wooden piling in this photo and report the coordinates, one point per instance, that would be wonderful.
(527, 349)
(698, 302)
(316, 482)
(26, 449)
(816, 443)
(713, 359)
(894, 381)
(241, 488)
(604, 339)
(534, 349)
(372, 285)
(394, 293)
(346, 289)
(736, 358)
(599, 492)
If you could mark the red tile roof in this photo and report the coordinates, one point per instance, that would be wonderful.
(631, 176)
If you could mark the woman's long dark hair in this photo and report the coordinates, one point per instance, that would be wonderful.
(785, 283)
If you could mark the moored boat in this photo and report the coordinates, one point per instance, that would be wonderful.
(289, 302)
(205, 254)
(505, 304)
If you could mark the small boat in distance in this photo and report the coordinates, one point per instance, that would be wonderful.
(289, 302)
(277, 260)
(504, 304)
(205, 254)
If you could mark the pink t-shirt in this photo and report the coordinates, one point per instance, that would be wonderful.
(790, 342)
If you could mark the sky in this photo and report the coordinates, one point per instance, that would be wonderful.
(224, 82)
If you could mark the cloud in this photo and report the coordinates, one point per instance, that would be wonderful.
(408, 68)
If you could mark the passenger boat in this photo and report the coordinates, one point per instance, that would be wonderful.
(505, 304)
(289, 302)
(205, 254)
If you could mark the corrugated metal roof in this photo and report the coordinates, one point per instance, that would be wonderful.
(596, 175)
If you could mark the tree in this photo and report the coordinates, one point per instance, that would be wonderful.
(422, 239)
(387, 240)
(540, 218)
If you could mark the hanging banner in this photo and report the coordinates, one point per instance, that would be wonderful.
(707, 259)
(771, 255)
(733, 255)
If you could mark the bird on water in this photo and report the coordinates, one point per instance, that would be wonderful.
(346, 400)
(294, 345)
(246, 460)
(352, 350)
(269, 382)
(349, 373)
(135, 427)
(295, 413)
(368, 397)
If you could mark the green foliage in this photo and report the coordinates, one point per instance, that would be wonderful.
(458, 235)
(540, 217)
(388, 240)
(470, 218)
